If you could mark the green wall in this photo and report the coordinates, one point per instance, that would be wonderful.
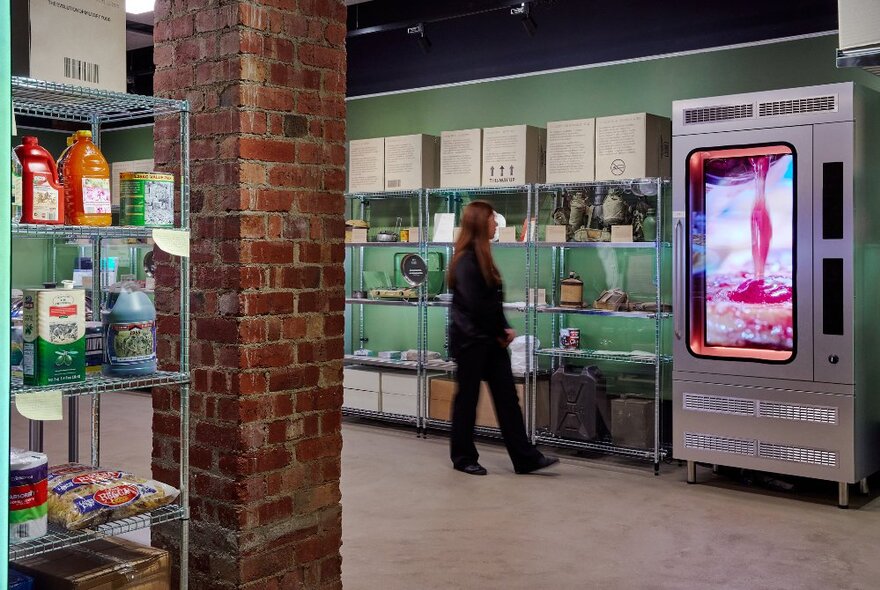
(644, 86)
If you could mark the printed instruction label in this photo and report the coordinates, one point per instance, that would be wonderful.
(45, 206)
(96, 196)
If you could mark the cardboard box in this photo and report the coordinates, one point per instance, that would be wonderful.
(556, 233)
(632, 422)
(412, 162)
(514, 155)
(633, 146)
(100, 565)
(442, 391)
(414, 234)
(461, 158)
(571, 150)
(621, 233)
(358, 235)
(507, 234)
(366, 165)
(858, 21)
(43, 46)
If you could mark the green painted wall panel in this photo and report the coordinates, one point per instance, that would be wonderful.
(643, 86)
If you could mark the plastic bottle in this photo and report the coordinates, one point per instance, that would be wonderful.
(42, 194)
(649, 226)
(130, 335)
(86, 183)
(16, 188)
(63, 158)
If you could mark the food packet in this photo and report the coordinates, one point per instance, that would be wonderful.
(83, 497)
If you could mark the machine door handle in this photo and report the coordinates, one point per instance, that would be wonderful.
(678, 286)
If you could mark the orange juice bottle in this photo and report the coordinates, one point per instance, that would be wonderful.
(86, 183)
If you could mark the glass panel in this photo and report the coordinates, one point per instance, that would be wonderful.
(742, 284)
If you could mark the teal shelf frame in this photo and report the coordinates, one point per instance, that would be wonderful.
(5, 272)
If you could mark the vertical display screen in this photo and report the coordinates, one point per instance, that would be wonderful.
(742, 255)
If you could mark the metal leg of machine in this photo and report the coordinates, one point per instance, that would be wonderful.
(692, 472)
(842, 494)
(863, 486)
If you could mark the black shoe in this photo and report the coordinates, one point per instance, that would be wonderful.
(542, 463)
(472, 469)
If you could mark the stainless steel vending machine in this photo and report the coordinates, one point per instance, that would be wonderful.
(776, 241)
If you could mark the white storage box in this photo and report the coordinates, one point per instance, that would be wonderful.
(366, 165)
(399, 393)
(357, 399)
(79, 42)
(513, 155)
(363, 379)
(461, 158)
(571, 151)
(633, 146)
(411, 162)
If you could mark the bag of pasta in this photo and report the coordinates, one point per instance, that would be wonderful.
(83, 497)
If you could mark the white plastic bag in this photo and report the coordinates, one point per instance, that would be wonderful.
(518, 353)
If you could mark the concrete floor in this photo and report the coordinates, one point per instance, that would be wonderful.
(410, 521)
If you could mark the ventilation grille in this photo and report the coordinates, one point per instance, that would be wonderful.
(718, 404)
(719, 113)
(801, 413)
(813, 104)
(798, 455)
(721, 444)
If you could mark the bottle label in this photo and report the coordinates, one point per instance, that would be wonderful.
(16, 190)
(130, 343)
(45, 199)
(96, 196)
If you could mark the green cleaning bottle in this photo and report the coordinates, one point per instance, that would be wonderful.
(130, 334)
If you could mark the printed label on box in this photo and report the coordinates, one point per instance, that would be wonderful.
(461, 157)
(571, 150)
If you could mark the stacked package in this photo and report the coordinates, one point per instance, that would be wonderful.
(28, 495)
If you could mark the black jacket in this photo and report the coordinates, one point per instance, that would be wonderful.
(477, 312)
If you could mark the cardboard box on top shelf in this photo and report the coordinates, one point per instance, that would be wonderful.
(571, 151)
(366, 165)
(461, 158)
(78, 42)
(100, 565)
(633, 146)
(414, 235)
(556, 233)
(412, 162)
(514, 155)
(442, 391)
(507, 235)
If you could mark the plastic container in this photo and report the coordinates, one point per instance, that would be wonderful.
(63, 158)
(42, 194)
(130, 334)
(649, 226)
(86, 183)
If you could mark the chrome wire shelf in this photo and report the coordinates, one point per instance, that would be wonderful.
(485, 431)
(613, 245)
(372, 361)
(516, 190)
(32, 230)
(59, 538)
(644, 315)
(382, 195)
(374, 415)
(385, 302)
(100, 384)
(623, 184)
(613, 356)
(438, 365)
(50, 100)
(599, 446)
(382, 244)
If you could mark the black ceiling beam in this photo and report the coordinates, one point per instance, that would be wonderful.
(405, 17)
(136, 27)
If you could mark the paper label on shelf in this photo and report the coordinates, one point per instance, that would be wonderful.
(173, 241)
(679, 214)
(44, 405)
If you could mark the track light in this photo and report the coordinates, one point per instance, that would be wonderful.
(524, 11)
(419, 32)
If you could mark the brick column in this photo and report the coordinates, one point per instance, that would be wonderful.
(266, 81)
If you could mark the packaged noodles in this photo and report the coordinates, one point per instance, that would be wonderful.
(83, 497)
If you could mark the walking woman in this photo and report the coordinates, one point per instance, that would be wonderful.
(479, 338)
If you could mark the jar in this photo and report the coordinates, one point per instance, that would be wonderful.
(572, 292)
(649, 226)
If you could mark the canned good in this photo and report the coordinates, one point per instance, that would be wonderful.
(404, 235)
(570, 338)
(146, 198)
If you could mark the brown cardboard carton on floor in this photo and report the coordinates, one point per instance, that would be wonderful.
(108, 564)
(442, 391)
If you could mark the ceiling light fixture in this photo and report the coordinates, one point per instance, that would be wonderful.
(139, 6)
(419, 32)
(524, 11)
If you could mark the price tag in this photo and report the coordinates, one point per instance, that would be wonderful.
(173, 241)
(44, 405)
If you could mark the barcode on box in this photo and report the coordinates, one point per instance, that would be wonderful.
(393, 184)
(77, 69)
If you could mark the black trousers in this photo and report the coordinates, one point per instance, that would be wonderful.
(491, 363)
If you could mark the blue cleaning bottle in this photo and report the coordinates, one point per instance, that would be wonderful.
(130, 334)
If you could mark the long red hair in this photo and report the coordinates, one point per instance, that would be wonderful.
(475, 236)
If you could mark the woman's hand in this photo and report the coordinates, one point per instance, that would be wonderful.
(509, 335)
